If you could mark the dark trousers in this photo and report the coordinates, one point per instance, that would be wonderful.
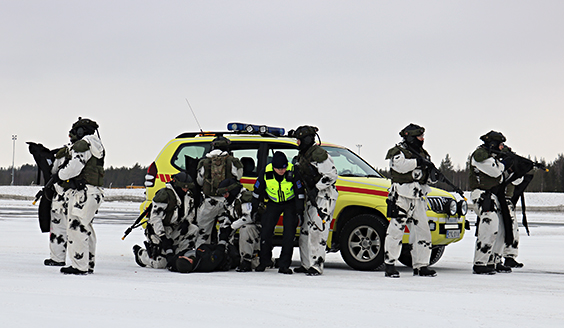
(268, 221)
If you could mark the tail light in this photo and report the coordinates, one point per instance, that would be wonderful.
(151, 175)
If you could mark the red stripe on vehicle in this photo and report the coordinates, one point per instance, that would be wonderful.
(168, 179)
(162, 177)
(363, 191)
(248, 181)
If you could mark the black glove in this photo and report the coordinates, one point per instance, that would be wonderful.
(508, 162)
(166, 244)
(424, 164)
(184, 227)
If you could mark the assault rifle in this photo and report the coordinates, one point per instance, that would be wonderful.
(519, 166)
(435, 172)
(138, 222)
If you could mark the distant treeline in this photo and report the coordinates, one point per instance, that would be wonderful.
(551, 181)
(114, 177)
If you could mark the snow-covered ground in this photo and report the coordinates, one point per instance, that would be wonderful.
(121, 294)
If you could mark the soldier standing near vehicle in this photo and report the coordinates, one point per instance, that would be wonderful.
(84, 172)
(486, 174)
(217, 166)
(407, 203)
(169, 229)
(237, 216)
(285, 194)
(318, 173)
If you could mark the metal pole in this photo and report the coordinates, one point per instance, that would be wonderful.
(14, 138)
(358, 146)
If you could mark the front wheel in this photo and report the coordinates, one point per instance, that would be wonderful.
(362, 242)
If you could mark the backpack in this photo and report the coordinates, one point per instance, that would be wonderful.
(216, 169)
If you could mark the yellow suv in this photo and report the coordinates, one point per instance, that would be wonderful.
(359, 226)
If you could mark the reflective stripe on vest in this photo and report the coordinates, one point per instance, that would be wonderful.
(278, 191)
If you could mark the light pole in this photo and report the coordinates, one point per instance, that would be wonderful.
(358, 146)
(14, 138)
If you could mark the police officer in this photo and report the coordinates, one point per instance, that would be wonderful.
(285, 194)
(486, 175)
(215, 167)
(84, 172)
(318, 173)
(169, 229)
(407, 204)
(237, 216)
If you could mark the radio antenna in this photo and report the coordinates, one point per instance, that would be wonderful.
(194, 115)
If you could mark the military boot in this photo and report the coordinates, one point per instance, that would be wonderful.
(263, 266)
(137, 253)
(502, 268)
(71, 270)
(483, 269)
(50, 262)
(391, 271)
(510, 262)
(245, 266)
(424, 272)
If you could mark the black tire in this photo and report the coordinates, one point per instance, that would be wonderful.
(436, 254)
(362, 242)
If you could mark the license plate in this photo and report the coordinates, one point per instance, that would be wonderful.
(450, 234)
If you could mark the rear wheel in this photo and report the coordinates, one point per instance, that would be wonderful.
(362, 242)
(436, 254)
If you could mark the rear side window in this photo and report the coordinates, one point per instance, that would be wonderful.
(193, 150)
(247, 153)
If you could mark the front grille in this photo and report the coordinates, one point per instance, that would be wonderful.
(437, 204)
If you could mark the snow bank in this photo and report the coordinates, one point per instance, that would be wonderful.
(29, 192)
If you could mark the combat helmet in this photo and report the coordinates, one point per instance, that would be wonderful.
(182, 180)
(492, 139)
(306, 134)
(81, 128)
(410, 134)
(221, 143)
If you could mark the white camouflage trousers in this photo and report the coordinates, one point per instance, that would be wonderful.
(415, 217)
(314, 232)
(491, 234)
(209, 211)
(83, 205)
(249, 243)
(512, 251)
(58, 231)
(180, 242)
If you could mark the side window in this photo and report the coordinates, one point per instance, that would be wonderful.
(291, 151)
(247, 153)
(194, 150)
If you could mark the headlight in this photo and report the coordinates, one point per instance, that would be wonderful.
(451, 207)
(462, 207)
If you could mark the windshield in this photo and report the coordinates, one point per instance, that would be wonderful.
(349, 164)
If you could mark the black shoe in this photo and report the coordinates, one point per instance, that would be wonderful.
(312, 272)
(285, 270)
(391, 271)
(502, 268)
(90, 271)
(424, 272)
(71, 270)
(50, 262)
(482, 269)
(263, 266)
(510, 262)
(136, 249)
(300, 269)
(244, 266)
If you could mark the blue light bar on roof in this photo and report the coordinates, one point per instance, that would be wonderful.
(253, 128)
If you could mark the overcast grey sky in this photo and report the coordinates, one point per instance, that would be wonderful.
(359, 70)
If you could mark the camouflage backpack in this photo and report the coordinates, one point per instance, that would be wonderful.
(216, 169)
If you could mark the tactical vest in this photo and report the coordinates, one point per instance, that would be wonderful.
(168, 196)
(217, 169)
(478, 179)
(279, 191)
(308, 172)
(93, 171)
(64, 153)
(408, 176)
